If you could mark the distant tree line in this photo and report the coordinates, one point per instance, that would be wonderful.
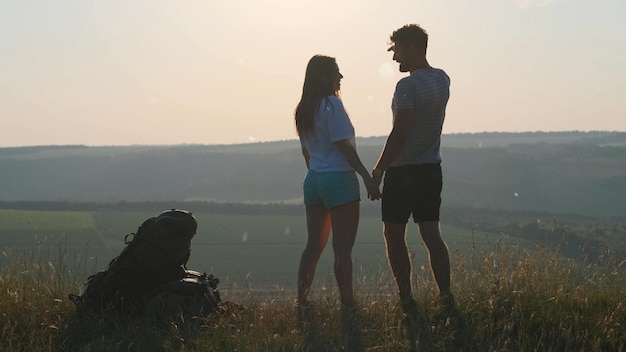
(158, 206)
(572, 235)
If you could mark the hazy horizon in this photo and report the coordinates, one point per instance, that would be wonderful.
(294, 139)
(156, 72)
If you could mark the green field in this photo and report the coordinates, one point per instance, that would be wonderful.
(243, 251)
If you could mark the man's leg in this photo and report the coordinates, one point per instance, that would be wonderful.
(400, 262)
(398, 256)
(437, 254)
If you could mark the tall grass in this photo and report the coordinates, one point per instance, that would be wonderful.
(510, 298)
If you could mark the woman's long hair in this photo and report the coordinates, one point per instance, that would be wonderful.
(319, 82)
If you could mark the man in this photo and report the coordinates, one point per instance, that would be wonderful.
(411, 164)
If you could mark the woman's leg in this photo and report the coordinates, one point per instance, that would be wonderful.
(345, 221)
(318, 228)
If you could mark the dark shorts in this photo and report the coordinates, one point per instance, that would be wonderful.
(412, 189)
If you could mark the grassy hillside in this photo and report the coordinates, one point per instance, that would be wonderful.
(509, 299)
(515, 289)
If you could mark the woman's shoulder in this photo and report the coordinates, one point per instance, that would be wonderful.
(331, 102)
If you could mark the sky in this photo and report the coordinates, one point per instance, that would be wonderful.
(160, 72)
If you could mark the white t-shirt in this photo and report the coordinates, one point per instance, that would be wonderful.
(332, 124)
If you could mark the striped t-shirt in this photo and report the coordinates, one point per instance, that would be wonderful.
(426, 91)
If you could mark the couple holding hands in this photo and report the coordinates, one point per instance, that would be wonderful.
(409, 167)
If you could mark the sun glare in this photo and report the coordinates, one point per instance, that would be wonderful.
(386, 71)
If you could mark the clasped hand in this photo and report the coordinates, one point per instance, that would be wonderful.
(373, 189)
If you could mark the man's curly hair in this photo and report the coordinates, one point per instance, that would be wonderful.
(410, 34)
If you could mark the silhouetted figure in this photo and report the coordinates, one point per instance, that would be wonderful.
(411, 164)
(331, 188)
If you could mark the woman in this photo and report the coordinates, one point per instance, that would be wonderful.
(331, 188)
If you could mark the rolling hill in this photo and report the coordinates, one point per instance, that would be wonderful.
(565, 172)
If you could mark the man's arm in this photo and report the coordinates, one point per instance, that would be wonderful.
(403, 119)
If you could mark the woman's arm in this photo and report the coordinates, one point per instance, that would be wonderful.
(307, 157)
(349, 152)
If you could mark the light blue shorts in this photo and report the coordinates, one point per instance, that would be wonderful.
(331, 189)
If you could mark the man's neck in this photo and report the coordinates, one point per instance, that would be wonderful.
(422, 64)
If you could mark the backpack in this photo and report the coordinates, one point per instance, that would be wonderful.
(152, 263)
(194, 295)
